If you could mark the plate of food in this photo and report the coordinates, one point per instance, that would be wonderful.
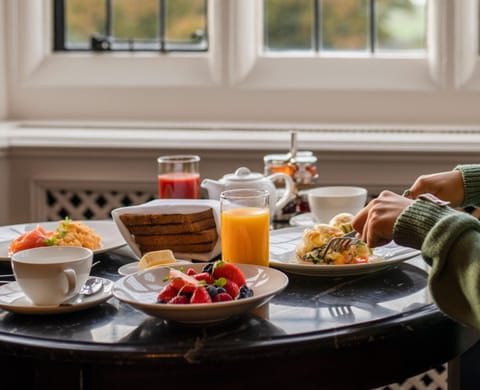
(200, 293)
(298, 250)
(100, 236)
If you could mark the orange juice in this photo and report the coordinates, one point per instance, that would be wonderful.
(245, 235)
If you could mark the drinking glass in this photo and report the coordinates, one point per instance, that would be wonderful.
(178, 177)
(245, 226)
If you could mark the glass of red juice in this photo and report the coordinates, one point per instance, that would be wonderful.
(178, 177)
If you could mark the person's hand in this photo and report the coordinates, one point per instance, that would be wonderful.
(444, 185)
(374, 223)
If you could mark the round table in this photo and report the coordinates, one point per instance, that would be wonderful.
(344, 332)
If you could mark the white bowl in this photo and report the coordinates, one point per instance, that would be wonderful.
(327, 202)
(142, 288)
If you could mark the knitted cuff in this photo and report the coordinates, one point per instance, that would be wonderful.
(471, 180)
(414, 223)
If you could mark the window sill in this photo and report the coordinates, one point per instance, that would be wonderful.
(332, 138)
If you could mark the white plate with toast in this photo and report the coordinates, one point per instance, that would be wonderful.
(189, 227)
(282, 255)
(107, 230)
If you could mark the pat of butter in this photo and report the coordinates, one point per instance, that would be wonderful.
(155, 258)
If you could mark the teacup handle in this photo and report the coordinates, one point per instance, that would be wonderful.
(71, 277)
(289, 189)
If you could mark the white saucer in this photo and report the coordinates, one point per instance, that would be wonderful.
(131, 268)
(13, 299)
(305, 219)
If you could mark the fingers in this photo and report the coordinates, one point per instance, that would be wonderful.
(374, 223)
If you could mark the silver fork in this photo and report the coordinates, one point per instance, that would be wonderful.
(339, 244)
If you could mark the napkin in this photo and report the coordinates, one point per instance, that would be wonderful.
(171, 206)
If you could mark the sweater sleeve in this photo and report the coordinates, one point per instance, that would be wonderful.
(471, 180)
(450, 243)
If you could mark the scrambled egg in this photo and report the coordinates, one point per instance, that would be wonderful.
(314, 240)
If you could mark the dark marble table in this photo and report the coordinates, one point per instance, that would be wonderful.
(352, 332)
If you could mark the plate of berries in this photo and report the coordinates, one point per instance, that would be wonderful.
(200, 293)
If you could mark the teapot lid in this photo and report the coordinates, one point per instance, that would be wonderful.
(243, 174)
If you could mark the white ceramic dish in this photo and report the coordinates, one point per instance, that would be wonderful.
(13, 299)
(282, 256)
(305, 219)
(142, 288)
(171, 206)
(132, 267)
(107, 230)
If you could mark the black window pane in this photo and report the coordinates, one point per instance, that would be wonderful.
(164, 25)
(83, 18)
(289, 24)
(345, 25)
(134, 19)
(401, 25)
(185, 21)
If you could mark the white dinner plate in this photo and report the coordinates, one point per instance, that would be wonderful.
(107, 230)
(13, 299)
(282, 256)
(132, 267)
(142, 288)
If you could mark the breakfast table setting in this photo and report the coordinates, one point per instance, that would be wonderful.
(288, 320)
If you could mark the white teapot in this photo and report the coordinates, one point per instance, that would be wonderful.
(244, 178)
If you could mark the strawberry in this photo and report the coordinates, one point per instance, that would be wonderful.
(200, 295)
(222, 297)
(168, 292)
(204, 276)
(191, 271)
(229, 285)
(179, 300)
(229, 271)
(182, 282)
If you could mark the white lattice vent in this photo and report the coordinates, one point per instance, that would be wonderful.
(90, 204)
(434, 379)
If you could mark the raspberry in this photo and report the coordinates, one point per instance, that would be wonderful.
(222, 297)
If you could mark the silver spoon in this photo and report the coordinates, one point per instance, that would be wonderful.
(91, 287)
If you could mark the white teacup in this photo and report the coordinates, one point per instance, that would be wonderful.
(327, 202)
(50, 275)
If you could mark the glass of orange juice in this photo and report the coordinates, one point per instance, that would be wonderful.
(245, 226)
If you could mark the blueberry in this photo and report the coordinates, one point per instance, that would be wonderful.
(245, 292)
(220, 290)
(212, 291)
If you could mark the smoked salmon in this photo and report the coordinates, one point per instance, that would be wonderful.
(32, 239)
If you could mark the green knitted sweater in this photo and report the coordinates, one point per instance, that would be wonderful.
(450, 243)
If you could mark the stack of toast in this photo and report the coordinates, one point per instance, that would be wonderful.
(183, 233)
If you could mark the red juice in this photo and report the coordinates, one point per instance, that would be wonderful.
(179, 186)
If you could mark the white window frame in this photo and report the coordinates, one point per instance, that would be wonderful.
(234, 64)
(467, 59)
(251, 68)
(39, 66)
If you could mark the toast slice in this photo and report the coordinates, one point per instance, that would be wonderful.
(176, 228)
(205, 236)
(165, 219)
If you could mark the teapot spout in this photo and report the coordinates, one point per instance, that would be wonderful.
(213, 187)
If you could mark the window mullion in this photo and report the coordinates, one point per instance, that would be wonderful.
(59, 25)
(317, 25)
(161, 24)
(372, 25)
